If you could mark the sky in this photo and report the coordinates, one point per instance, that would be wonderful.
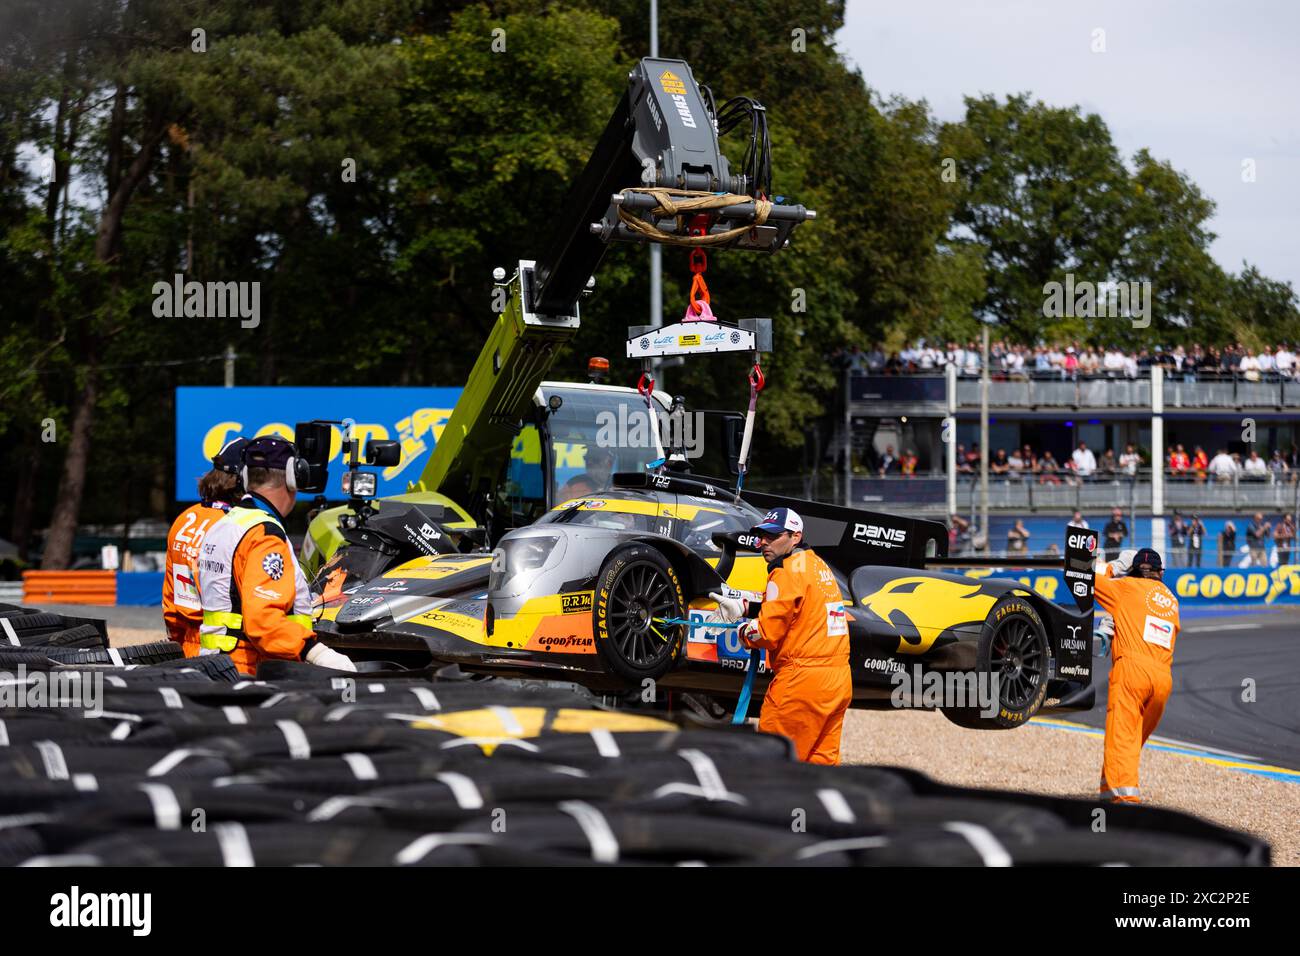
(1203, 85)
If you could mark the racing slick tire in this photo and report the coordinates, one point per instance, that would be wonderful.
(156, 653)
(636, 585)
(1013, 649)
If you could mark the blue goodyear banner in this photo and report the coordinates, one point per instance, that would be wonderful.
(1247, 587)
(208, 417)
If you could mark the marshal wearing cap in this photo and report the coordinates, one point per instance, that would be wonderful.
(778, 520)
(1147, 559)
(231, 456)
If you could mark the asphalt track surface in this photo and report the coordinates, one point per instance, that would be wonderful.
(1215, 654)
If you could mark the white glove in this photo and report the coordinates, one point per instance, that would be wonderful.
(1104, 637)
(748, 631)
(1124, 563)
(730, 609)
(323, 656)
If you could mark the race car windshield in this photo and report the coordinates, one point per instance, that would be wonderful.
(594, 434)
(615, 520)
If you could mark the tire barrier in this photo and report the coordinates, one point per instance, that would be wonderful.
(187, 763)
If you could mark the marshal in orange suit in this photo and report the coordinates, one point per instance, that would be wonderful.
(1146, 628)
(802, 625)
(218, 489)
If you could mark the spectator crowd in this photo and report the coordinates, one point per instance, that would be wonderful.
(1083, 465)
(1009, 360)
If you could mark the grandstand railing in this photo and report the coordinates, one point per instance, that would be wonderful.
(1061, 492)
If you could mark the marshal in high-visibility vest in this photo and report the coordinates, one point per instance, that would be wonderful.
(256, 605)
(218, 491)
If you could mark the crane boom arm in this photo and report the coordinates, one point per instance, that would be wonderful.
(663, 133)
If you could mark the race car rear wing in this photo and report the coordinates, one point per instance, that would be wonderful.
(847, 538)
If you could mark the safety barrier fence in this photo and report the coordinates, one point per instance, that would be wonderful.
(1245, 587)
(70, 587)
(103, 588)
(1209, 585)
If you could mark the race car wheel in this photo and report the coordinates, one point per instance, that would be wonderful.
(636, 590)
(1012, 656)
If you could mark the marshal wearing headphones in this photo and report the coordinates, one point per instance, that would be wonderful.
(256, 605)
(219, 489)
(279, 458)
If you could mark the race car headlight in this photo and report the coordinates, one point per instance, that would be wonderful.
(517, 561)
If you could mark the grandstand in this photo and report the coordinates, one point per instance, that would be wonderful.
(1076, 429)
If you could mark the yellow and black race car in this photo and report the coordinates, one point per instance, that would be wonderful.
(608, 591)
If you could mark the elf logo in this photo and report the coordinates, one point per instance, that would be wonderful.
(875, 534)
(1087, 542)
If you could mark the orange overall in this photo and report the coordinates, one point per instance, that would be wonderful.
(256, 605)
(1146, 628)
(182, 611)
(803, 627)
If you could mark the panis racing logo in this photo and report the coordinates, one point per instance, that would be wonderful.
(880, 537)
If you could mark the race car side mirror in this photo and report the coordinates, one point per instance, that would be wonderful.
(736, 541)
(730, 542)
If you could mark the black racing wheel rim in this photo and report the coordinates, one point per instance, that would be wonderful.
(1018, 658)
(642, 595)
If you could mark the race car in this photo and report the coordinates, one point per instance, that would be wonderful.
(608, 590)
